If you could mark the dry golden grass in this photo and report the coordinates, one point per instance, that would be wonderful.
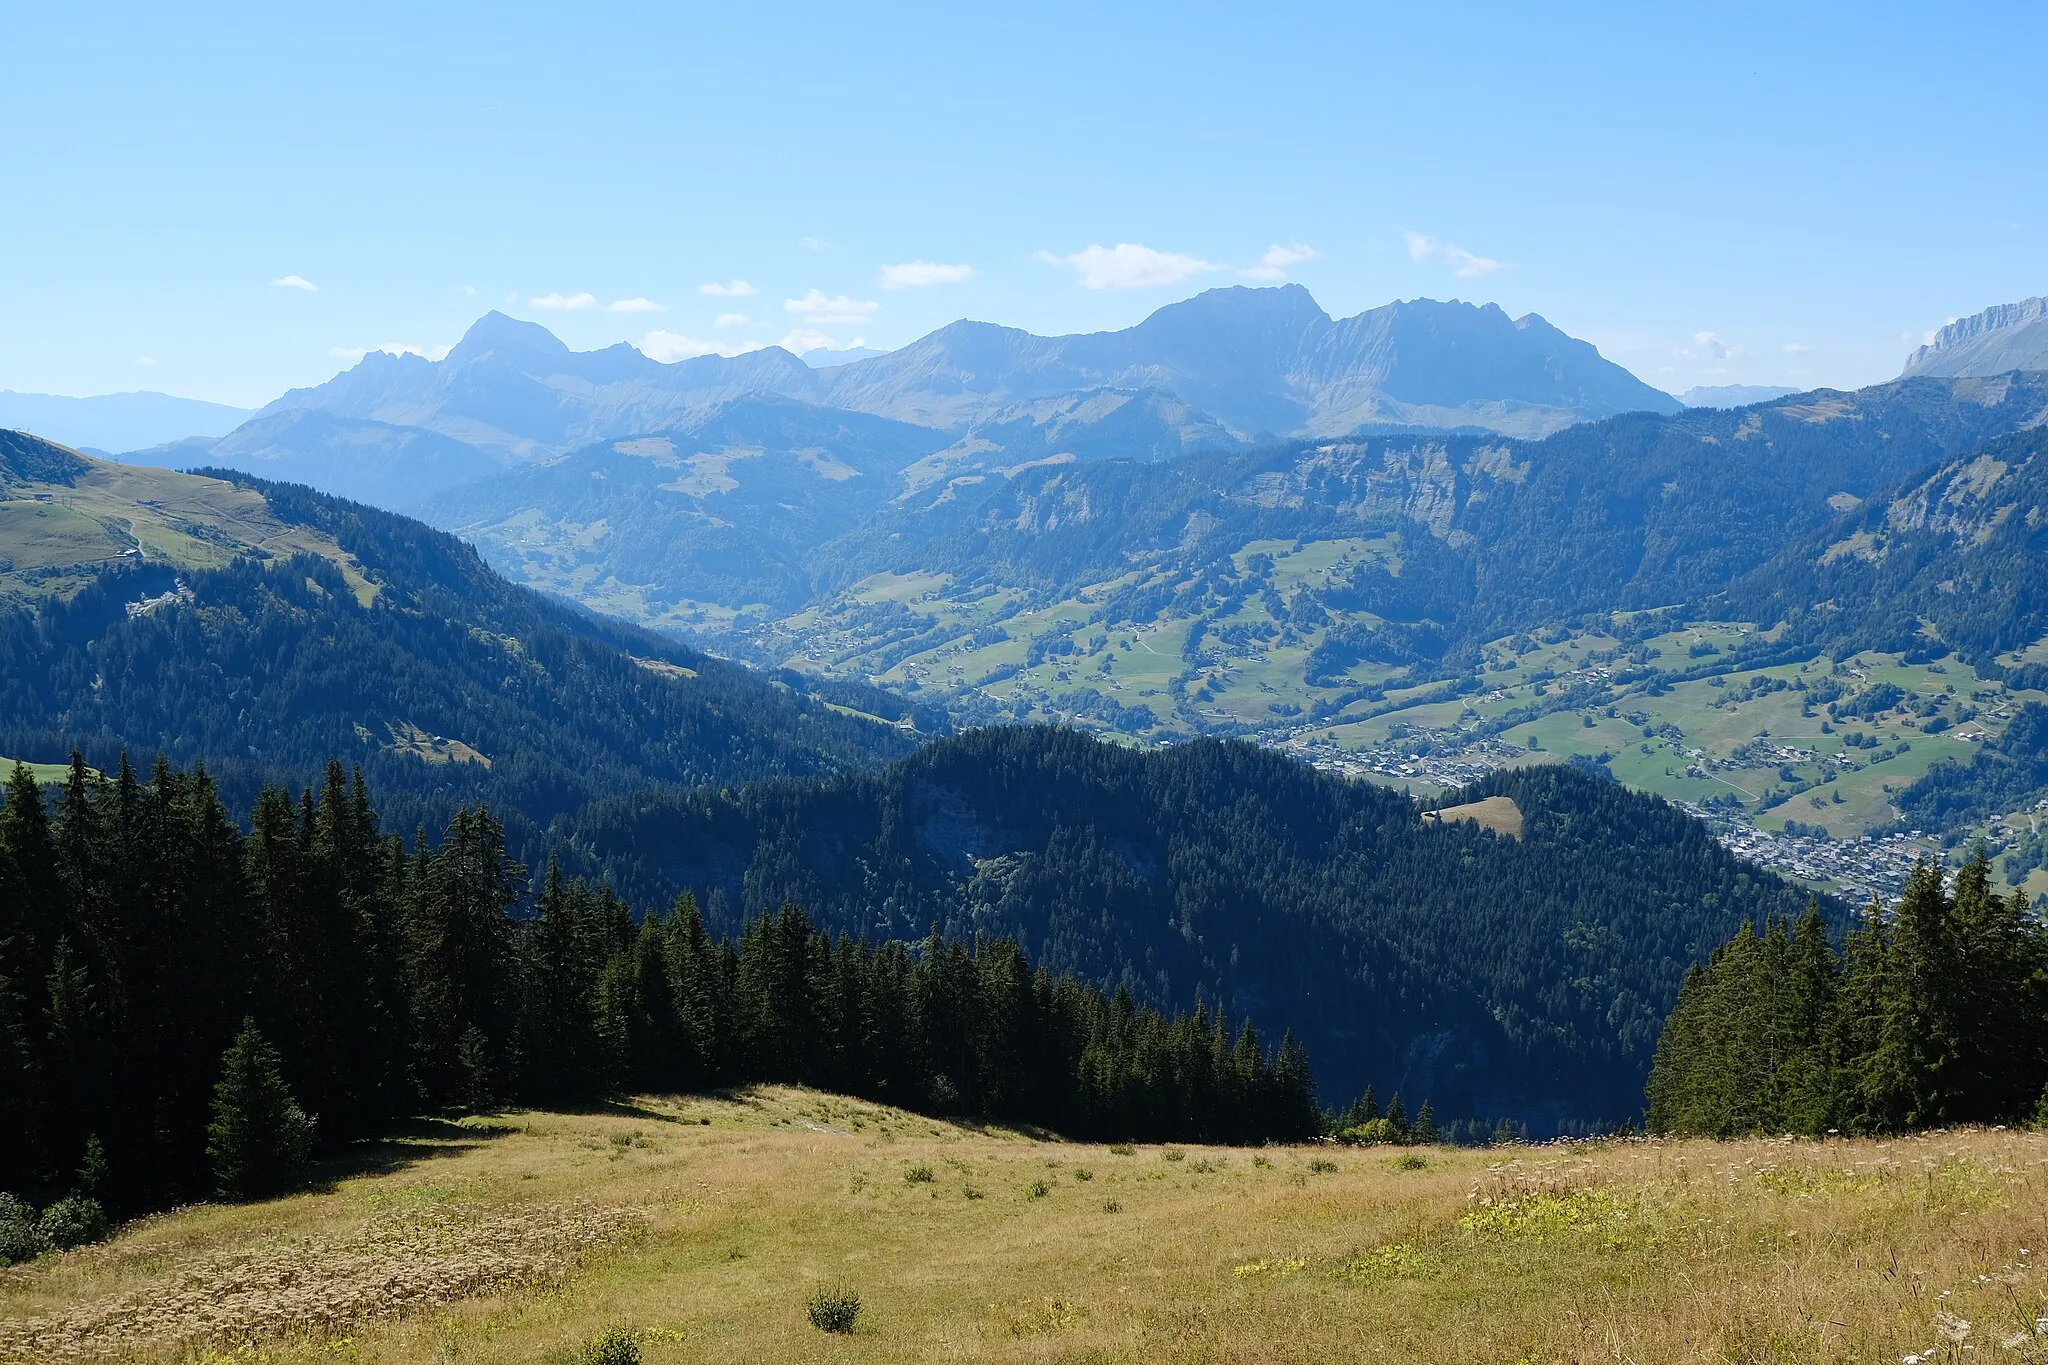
(522, 1245)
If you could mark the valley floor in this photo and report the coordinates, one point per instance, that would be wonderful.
(704, 1224)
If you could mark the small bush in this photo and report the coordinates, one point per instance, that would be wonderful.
(1112, 1206)
(613, 1346)
(1322, 1165)
(1263, 1163)
(1410, 1161)
(1038, 1189)
(1123, 1149)
(918, 1175)
(19, 1240)
(972, 1193)
(72, 1222)
(833, 1310)
(1173, 1154)
(1083, 1173)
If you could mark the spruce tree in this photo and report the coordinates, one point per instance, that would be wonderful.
(259, 1135)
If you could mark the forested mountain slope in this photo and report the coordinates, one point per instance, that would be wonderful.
(1958, 557)
(305, 627)
(1491, 974)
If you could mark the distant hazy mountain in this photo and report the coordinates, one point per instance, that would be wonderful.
(349, 457)
(2012, 336)
(116, 421)
(824, 358)
(1268, 362)
(1733, 395)
(1257, 361)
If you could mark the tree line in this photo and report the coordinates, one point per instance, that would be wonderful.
(185, 1004)
(1927, 1016)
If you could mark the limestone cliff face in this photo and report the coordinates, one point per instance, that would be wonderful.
(2012, 336)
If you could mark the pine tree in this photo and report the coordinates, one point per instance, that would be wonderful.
(258, 1135)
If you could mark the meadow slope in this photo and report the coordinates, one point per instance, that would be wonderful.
(703, 1224)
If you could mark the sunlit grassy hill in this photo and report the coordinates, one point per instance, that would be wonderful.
(703, 1226)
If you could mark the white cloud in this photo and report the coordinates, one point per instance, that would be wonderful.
(467, 291)
(353, 354)
(803, 341)
(295, 282)
(1714, 348)
(812, 243)
(1796, 348)
(145, 360)
(588, 303)
(919, 274)
(730, 320)
(1277, 260)
(735, 289)
(668, 347)
(1464, 264)
(1130, 266)
(816, 308)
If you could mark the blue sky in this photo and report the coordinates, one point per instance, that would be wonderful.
(1730, 194)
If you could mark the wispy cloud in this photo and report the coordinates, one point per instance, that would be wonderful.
(1275, 264)
(816, 308)
(669, 347)
(1796, 348)
(1128, 265)
(588, 303)
(732, 289)
(812, 243)
(803, 341)
(1713, 347)
(145, 360)
(295, 282)
(352, 354)
(731, 320)
(920, 274)
(1464, 264)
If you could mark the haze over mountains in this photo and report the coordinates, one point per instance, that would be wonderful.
(1230, 367)
(117, 421)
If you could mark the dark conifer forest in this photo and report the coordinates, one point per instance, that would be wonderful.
(1931, 1014)
(185, 1007)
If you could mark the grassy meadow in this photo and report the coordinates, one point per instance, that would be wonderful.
(704, 1225)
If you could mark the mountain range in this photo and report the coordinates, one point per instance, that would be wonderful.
(1231, 367)
(117, 421)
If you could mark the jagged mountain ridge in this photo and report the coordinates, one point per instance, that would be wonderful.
(1999, 340)
(1227, 368)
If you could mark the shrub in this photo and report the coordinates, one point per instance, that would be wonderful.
(1038, 1189)
(1083, 1173)
(833, 1310)
(613, 1346)
(1123, 1149)
(1112, 1206)
(1322, 1166)
(72, 1222)
(1410, 1161)
(1173, 1154)
(918, 1175)
(19, 1240)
